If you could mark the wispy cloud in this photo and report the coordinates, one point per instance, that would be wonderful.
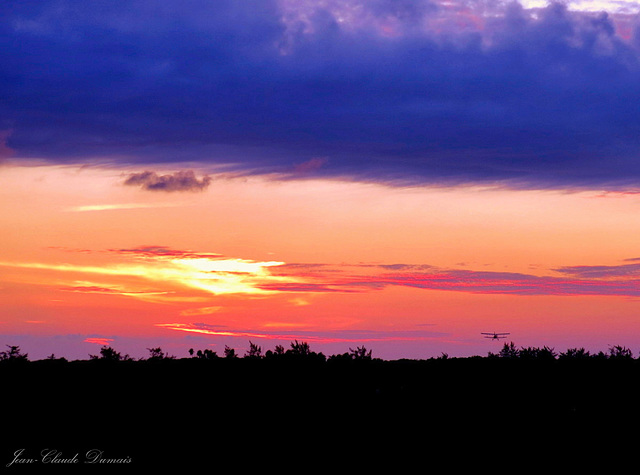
(512, 283)
(120, 206)
(200, 311)
(603, 272)
(90, 288)
(154, 252)
(623, 280)
(310, 166)
(309, 335)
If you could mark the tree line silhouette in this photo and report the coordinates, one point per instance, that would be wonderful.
(297, 350)
(302, 350)
(296, 401)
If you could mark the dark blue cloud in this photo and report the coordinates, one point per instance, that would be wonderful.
(544, 100)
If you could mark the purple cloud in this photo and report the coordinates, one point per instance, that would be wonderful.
(184, 180)
(602, 272)
(515, 283)
(582, 280)
(401, 92)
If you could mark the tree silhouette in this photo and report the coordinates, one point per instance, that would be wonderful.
(574, 353)
(620, 352)
(601, 355)
(13, 354)
(360, 353)
(544, 353)
(207, 354)
(254, 351)
(229, 352)
(278, 351)
(53, 357)
(110, 354)
(509, 351)
(157, 354)
(300, 349)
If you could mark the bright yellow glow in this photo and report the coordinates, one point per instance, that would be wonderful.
(225, 276)
(123, 206)
(227, 265)
(187, 328)
(216, 276)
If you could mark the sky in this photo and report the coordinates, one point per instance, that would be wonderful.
(400, 175)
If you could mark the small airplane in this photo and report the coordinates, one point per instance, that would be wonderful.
(494, 335)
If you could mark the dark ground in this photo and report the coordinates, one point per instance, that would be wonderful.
(183, 415)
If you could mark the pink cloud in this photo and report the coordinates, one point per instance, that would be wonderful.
(5, 150)
(310, 166)
(98, 341)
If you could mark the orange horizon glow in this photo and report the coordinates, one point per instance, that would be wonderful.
(327, 261)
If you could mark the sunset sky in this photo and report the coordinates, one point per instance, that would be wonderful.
(398, 174)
